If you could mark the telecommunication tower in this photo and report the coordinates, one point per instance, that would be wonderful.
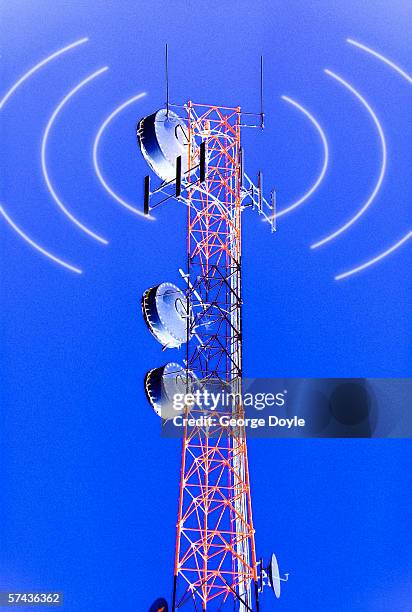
(196, 151)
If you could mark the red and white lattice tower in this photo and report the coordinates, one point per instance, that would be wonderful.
(198, 157)
(215, 561)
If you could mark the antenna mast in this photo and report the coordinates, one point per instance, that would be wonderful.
(200, 163)
(262, 114)
(215, 559)
(167, 79)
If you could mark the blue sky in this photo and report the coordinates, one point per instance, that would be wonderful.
(90, 489)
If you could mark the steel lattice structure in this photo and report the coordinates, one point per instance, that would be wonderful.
(215, 561)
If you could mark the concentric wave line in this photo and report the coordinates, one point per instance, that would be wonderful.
(36, 246)
(382, 169)
(37, 67)
(96, 164)
(44, 157)
(379, 257)
(3, 101)
(325, 163)
(384, 59)
(408, 78)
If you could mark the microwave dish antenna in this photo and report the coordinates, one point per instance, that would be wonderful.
(162, 385)
(164, 309)
(270, 576)
(163, 138)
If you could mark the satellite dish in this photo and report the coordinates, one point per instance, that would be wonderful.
(164, 310)
(162, 138)
(273, 575)
(161, 385)
(160, 605)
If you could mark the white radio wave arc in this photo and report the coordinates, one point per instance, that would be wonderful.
(379, 257)
(37, 67)
(3, 101)
(408, 78)
(382, 171)
(325, 163)
(44, 156)
(37, 246)
(96, 164)
(384, 59)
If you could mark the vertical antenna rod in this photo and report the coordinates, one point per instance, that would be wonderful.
(273, 217)
(146, 195)
(167, 79)
(262, 114)
(178, 176)
(202, 163)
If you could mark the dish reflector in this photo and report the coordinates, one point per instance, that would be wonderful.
(164, 310)
(274, 576)
(161, 386)
(162, 138)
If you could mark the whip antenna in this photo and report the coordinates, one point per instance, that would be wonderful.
(167, 79)
(262, 114)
